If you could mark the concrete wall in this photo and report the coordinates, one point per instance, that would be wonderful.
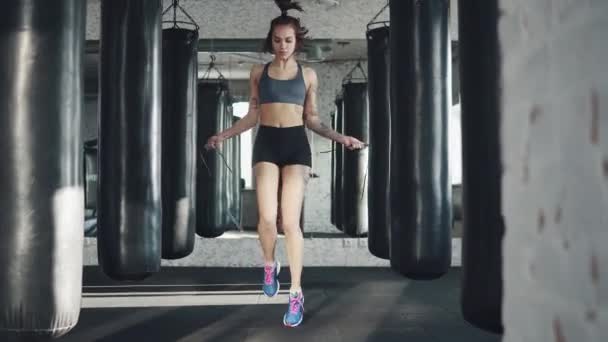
(555, 157)
(251, 18)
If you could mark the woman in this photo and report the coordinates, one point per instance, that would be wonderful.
(283, 100)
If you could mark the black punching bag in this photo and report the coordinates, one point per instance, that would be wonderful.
(339, 151)
(41, 186)
(332, 180)
(180, 68)
(129, 200)
(379, 141)
(355, 122)
(483, 224)
(211, 218)
(90, 174)
(420, 192)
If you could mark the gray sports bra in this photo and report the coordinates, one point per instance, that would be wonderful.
(284, 91)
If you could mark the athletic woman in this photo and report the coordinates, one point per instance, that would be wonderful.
(283, 102)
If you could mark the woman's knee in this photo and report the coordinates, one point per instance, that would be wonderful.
(267, 222)
(291, 228)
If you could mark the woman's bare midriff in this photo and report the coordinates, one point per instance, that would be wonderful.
(281, 115)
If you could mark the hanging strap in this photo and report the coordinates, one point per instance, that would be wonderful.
(175, 6)
(349, 76)
(373, 22)
(212, 67)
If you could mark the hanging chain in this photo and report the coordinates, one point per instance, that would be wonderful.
(175, 4)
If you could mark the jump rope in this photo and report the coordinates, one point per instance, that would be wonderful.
(365, 145)
(232, 218)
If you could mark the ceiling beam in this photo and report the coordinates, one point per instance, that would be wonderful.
(231, 45)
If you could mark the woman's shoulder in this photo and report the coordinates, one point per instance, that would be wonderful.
(257, 67)
(307, 68)
(309, 73)
(256, 70)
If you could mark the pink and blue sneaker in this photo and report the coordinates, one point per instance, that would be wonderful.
(271, 279)
(295, 313)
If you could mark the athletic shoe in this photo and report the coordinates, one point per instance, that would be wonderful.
(295, 313)
(271, 279)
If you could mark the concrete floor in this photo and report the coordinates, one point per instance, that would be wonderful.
(225, 304)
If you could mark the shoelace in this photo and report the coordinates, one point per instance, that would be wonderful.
(268, 274)
(294, 304)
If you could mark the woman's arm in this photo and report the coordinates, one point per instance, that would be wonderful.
(251, 118)
(246, 122)
(313, 121)
(311, 116)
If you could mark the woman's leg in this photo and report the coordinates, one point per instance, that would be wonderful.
(267, 182)
(294, 179)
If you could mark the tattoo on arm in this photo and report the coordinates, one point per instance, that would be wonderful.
(317, 126)
(323, 128)
(313, 121)
(254, 103)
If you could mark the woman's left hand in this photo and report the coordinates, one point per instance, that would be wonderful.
(352, 143)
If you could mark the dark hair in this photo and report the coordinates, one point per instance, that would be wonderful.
(284, 19)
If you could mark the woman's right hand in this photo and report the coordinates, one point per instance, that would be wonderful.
(214, 142)
(352, 143)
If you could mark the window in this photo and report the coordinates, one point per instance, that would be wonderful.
(455, 145)
(240, 109)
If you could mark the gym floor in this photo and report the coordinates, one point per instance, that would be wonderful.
(226, 304)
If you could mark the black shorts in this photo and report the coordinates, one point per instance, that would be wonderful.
(282, 146)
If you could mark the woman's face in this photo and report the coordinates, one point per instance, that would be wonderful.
(283, 41)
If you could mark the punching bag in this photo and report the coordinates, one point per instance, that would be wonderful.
(339, 151)
(180, 72)
(354, 183)
(41, 197)
(483, 225)
(129, 200)
(420, 192)
(236, 176)
(332, 181)
(380, 141)
(90, 174)
(211, 201)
